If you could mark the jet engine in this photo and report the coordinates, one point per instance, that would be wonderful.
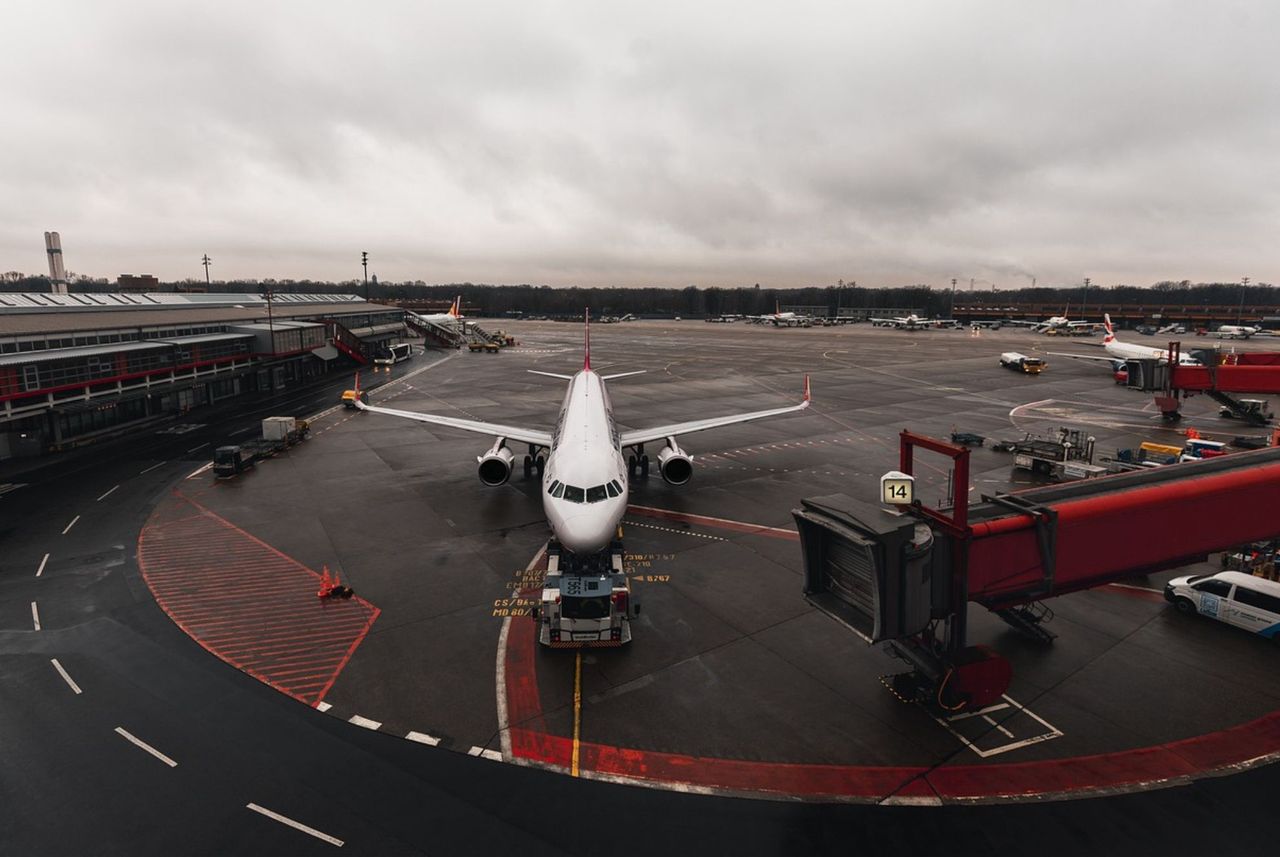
(495, 465)
(675, 464)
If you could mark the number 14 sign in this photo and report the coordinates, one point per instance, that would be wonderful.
(897, 488)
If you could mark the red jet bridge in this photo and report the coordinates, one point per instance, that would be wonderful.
(1246, 372)
(905, 576)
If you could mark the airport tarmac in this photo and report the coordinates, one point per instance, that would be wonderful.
(733, 682)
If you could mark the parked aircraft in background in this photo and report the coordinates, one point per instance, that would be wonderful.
(778, 318)
(451, 317)
(912, 322)
(1057, 322)
(1236, 331)
(581, 461)
(1119, 351)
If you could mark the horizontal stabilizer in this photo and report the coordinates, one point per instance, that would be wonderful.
(623, 375)
(550, 374)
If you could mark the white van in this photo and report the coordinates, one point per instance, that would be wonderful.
(1233, 597)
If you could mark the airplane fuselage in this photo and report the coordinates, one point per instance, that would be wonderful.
(584, 485)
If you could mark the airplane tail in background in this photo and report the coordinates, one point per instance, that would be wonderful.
(456, 310)
(1106, 323)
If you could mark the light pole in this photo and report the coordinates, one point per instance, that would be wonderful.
(206, 260)
(1244, 284)
(952, 311)
(364, 262)
(1084, 304)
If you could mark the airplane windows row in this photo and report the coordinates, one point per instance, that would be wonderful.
(595, 494)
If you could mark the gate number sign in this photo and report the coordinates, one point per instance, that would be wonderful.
(897, 488)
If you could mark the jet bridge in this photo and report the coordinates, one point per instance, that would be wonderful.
(905, 576)
(1246, 372)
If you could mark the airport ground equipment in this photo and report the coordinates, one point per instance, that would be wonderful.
(1066, 455)
(585, 601)
(278, 434)
(967, 438)
(1246, 372)
(488, 347)
(905, 577)
(1022, 363)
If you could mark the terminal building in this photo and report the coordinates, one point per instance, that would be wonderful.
(74, 367)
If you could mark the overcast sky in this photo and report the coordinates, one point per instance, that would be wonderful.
(656, 143)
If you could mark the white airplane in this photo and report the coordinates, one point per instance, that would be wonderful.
(911, 322)
(778, 318)
(584, 473)
(1236, 331)
(1056, 322)
(1122, 351)
(453, 316)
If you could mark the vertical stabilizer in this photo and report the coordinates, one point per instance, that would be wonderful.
(586, 340)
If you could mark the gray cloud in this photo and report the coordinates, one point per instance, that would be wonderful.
(663, 143)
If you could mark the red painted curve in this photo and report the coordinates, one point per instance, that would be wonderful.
(1121, 770)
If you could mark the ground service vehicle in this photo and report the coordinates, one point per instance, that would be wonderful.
(1234, 597)
(1021, 362)
(278, 433)
(397, 353)
(585, 607)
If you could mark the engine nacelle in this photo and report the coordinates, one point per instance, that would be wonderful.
(675, 464)
(495, 466)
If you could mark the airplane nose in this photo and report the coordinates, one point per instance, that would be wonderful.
(583, 534)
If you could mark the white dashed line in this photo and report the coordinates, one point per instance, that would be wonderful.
(196, 448)
(323, 706)
(364, 721)
(677, 532)
(492, 755)
(138, 742)
(35, 616)
(70, 525)
(423, 738)
(153, 467)
(40, 570)
(108, 494)
(57, 666)
(296, 825)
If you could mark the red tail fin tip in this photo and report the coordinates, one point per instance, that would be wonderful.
(586, 339)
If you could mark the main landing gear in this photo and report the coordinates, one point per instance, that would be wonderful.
(535, 461)
(638, 463)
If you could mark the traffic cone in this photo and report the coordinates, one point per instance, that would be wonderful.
(326, 585)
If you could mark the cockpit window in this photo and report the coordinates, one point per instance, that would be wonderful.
(557, 490)
(596, 494)
(573, 494)
(613, 489)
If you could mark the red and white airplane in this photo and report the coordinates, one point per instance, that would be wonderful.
(1121, 351)
(584, 470)
(453, 316)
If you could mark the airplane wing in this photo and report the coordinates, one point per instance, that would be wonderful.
(630, 438)
(1082, 324)
(520, 435)
(1111, 360)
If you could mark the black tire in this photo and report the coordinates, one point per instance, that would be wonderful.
(1185, 606)
(644, 465)
(528, 466)
(540, 464)
(632, 465)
